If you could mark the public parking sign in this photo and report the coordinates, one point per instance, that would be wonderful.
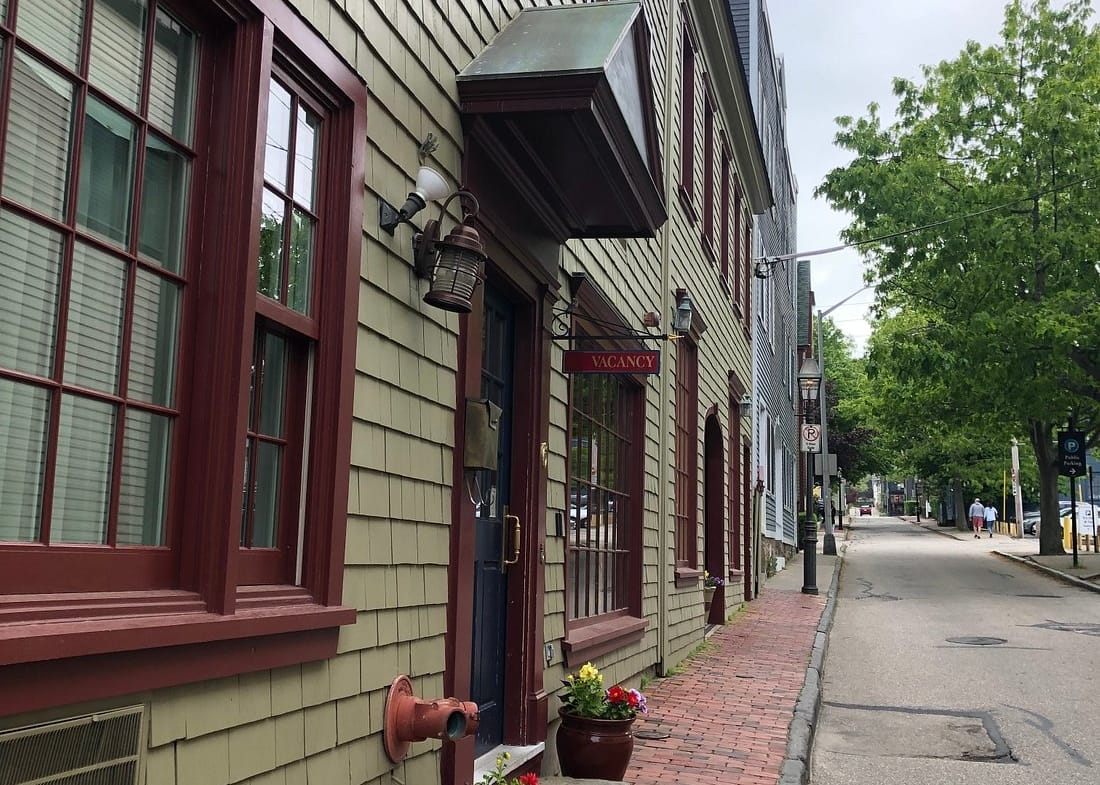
(1071, 453)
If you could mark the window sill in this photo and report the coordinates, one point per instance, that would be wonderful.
(688, 576)
(585, 643)
(55, 661)
(34, 641)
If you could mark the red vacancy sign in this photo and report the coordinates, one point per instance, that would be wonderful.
(642, 361)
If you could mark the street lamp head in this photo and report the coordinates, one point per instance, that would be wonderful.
(809, 379)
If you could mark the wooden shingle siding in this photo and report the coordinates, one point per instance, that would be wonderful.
(322, 721)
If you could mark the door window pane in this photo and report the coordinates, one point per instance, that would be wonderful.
(300, 283)
(118, 49)
(305, 156)
(54, 26)
(164, 204)
(143, 495)
(24, 419)
(269, 277)
(30, 264)
(172, 78)
(106, 173)
(83, 479)
(154, 339)
(94, 339)
(278, 136)
(36, 160)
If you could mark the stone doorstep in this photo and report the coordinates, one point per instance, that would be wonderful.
(517, 756)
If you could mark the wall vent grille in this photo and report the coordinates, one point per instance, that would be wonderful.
(96, 749)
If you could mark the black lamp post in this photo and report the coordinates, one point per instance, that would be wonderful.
(809, 382)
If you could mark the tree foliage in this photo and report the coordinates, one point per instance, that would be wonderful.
(852, 435)
(978, 208)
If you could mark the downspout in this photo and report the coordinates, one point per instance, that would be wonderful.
(663, 555)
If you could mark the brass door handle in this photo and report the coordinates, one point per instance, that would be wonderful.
(515, 538)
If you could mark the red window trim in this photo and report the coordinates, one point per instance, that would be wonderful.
(207, 613)
(587, 639)
(724, 235)
(597, 635)
(737, 246)
(746, 273)
(686, 190)
(686, 450)
(708, 172)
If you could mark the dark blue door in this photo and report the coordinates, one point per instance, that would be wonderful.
(490, 584)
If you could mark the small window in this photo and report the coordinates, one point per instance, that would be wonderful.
(724, 218)
(687, 120)
(708, 171)
(602, 497)
(686, 453)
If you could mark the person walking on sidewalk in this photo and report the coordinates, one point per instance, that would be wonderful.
(990, 518)
(977, 517)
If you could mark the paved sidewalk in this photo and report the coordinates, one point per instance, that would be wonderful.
(729, 716)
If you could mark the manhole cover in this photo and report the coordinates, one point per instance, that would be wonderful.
(976, 640)
(654, 735)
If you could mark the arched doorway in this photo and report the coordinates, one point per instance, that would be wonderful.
(714, 550)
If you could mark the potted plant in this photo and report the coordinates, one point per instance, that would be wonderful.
(594, 739)
(710, 585)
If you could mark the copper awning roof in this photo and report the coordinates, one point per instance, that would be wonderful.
(565, 93)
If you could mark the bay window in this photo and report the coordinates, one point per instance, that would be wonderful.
(180, 191)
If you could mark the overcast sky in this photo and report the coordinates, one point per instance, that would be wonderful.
(840, 56)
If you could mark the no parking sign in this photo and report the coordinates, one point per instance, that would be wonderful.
(811, 437)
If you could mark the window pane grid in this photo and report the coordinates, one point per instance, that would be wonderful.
(685, 458)
(101, 325)
(266, 443)
(288, 218)
(599, 498)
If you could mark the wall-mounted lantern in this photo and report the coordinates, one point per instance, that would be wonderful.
(681, 316)
(453, 265)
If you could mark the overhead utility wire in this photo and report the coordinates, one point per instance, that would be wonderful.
(771, 260)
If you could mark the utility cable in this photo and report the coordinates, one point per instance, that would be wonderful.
(773, 260)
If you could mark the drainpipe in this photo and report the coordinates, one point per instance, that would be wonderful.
(663, 555)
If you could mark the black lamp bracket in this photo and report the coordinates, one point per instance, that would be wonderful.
(424, 240)
(561, 328)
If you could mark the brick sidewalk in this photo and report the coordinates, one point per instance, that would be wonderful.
(727, 716)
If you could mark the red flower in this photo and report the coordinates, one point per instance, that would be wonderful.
(529, 779)
(633, 700)
(616, 694)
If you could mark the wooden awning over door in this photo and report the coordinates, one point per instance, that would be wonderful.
(564, 95)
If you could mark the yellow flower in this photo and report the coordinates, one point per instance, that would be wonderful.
(588, 672)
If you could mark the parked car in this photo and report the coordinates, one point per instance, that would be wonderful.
(865, 509)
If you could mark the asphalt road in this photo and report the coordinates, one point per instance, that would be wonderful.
(904, 705)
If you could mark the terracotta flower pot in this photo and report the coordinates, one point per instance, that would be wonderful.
(594, 749)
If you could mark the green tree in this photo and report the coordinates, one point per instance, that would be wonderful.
(851, 433)
(993, 158)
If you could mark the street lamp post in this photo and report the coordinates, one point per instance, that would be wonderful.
(809, 382)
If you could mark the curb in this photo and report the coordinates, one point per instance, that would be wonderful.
(800, 734)
(1081, 584)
